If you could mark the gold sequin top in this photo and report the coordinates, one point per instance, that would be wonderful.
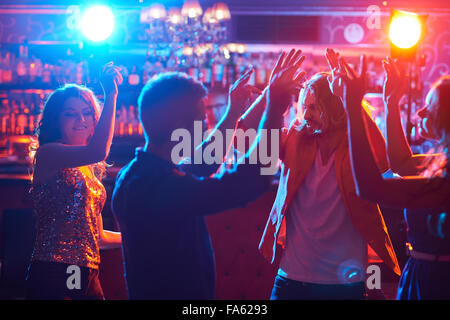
(67, 210)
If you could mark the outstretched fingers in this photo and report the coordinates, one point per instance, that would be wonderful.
(288, 59)
(363, 66)
(345, 67)
(246, 76)
(294, 58)
(332, 58)
(280, 61)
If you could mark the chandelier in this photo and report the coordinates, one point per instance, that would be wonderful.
(177, 35)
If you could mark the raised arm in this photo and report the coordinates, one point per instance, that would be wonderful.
(252, 116)
(54, 156)
(375, 136)
(399, 153)
(285, 79)
(239, 94)
(410, 192)
(238, 98)
(401, 158)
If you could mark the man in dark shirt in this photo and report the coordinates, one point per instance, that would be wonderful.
(161, 209)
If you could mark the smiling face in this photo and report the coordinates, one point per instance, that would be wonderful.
(323, 112)
(77, 121)
(427, 115)
(312, 114)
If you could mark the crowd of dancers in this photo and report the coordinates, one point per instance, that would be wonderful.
(325, 214)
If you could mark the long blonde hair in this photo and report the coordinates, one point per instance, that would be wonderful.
(330, 106)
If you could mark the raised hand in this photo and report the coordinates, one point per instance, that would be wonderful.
(286, 78)
(354, 84)
(286, 61)
(395, 83)
(336, 85)
(110, 79)
(241, 92)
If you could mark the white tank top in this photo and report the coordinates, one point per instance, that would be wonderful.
(322, 245)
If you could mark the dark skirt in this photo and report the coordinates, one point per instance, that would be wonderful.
(424, 280)
(56, 281)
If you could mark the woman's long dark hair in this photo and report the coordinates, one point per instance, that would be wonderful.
(48, 129)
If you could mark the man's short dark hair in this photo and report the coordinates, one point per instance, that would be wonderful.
(163, 90)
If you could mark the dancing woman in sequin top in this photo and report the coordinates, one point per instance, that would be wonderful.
(68, 196)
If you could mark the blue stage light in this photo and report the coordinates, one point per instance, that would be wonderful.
(97, 23)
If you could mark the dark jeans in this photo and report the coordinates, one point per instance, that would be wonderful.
(48, 281)
(286, 289)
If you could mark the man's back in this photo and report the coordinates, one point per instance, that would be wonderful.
(166, 244)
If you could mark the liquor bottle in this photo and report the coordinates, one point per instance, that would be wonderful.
(133, 78)
(57, 72)
(206, 72)
(193, 69)
(240, 67)
(193, 72)
(2, 67)
(147, 70)
(170, 65)
(79, 73)
(13, 118)
(133, 122)
(85, 71)
(253, 64)
(217, 73)
(22, 119)
(158, 67)
(261, 72)
(7, 72)
(38, 108)
(39, 69)
(32, 71)
(21, 65)
(230, 71)
(46, 75)
(5, 118)
(32, 119)
(117, 122)
(122, 120)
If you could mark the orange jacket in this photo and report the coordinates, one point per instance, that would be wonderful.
(297, 154)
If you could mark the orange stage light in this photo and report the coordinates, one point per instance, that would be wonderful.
(406, 29)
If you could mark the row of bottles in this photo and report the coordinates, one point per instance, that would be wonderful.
(222, 71)
(20, 115)
(214, 71)
(219, 71)
(127, 122)
(23, 69)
